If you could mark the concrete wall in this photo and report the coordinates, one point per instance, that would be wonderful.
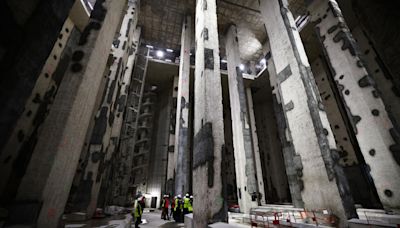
(158, 157)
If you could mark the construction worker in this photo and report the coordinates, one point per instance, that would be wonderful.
(186, 204)
(137, 212)
(164, 208)
(191, 204)
(178, 208)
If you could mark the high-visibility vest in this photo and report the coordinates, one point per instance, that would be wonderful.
(180, 204)
(186, 203)
(190, 207)
(176, 203)
(163, 203)
(138, 210)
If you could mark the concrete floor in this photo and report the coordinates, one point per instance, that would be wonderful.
(150, 219)
(153, 219)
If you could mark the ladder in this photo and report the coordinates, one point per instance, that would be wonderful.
(130, 125)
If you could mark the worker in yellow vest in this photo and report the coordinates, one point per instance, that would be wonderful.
(137, 213)
(186, 204)
(178, 209)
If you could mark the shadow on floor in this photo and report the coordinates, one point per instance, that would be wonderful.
(172, 225)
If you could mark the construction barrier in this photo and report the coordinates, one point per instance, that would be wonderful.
(287, 217)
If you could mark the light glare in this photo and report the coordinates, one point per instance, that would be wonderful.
(160, 54)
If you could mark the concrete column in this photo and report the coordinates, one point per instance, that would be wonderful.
(378, 138)
(99, 156)
(208, 147)
(247, 188)
(27, 52)
(116, 131)
(294, 180)
(254, 137)
(172, 155)
(385, 82)
(321, 179)
(182, 167)
(28, 125)
(52, 167)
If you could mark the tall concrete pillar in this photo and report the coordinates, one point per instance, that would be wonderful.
(52, 167)
(115, 134)
(378, 138)
(208, 148)
(322, 180)
(294, 180)
(257, 157)
(116, 131)
(172, 155)
(182, 166)
(28, 125)
(99, 155)
(246, 182)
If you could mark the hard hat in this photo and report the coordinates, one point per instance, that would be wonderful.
(191, 197)
(187, 195)
(179, 196)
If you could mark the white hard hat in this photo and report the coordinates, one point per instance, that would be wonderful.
(187, 195)
(191, 197)
(179, 196)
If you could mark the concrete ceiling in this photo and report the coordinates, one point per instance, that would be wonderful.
(161, 22)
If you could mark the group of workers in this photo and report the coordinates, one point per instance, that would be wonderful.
(176, 207)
